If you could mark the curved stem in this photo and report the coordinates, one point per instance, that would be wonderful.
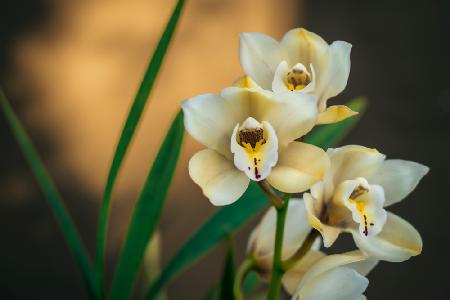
(271, 194)
(246, 266)
(301, 252)
(277, 266)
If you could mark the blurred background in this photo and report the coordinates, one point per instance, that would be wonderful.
(71, 68)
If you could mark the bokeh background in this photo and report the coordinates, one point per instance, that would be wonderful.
(71, 68)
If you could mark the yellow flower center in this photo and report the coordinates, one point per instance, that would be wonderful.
(297, 79)
(361, 207)
(252, 140)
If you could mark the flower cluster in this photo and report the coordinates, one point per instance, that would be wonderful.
(253, 131)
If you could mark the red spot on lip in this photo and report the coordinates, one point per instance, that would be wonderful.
(257, 173)
(366, 230)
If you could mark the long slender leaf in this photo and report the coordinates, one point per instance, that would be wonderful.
(147, 211)
(230, 218)
(128, 132)
(54, 199)
(227, 281)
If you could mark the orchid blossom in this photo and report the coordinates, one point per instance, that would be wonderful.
(251, 134)
(302, 62)
(353, 195)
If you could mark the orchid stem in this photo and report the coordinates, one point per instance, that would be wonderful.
(271, 194)
(247, 265)
(277, 267)
(301, 252)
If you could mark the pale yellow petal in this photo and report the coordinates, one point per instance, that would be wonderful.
(334, 75)
(397, 242)
(299, 166)
(307, 48)
(398, 178)
(334, 114)
(245, 82)
(218, 178)
(210, 120)
(260, 55)
(313, 208)
(350, 162)
(294, 276)
(330, 278)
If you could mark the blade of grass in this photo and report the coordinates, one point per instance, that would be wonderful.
(54, 199)
(128, 132)
(147, 211)
(230, 218)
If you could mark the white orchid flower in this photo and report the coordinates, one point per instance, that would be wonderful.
(250, 135)
(358, 186)
(301, 63)
(262, 239)
(333, 277)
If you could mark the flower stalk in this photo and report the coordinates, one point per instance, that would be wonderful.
(275, 200)
(302, 251)
(277, 266)
(247, 265)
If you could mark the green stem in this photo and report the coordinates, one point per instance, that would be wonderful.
(271, 194)
(277, 266)
(247, 265)
(301, 252)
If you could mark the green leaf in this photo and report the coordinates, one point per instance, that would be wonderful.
(326, 136)
(54, 199)
(147, 210)
(230, 218)
(128, 132)
(227, 281)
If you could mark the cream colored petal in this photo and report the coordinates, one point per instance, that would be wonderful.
(397, 242)
(337, 284)
(245, 82)
(313, 207)
(255, 162)
(260, 55)
(332, 261)
(334, 114)
(330, 278)
(291, 115)
(210, 120)
(279, 82)
(294, 276)
(299, 166)
(219, 180)
(333, 79)
(398, 178)
(350, 162)
(364, 267)
(305, 47)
